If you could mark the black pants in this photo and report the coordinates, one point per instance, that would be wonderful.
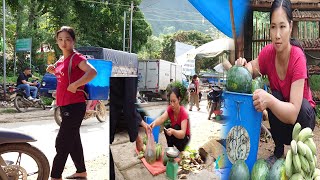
(68, 140)
(281, 132)
(180, 144)
(123, 92)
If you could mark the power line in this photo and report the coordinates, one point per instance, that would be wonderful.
(107, 3)
(151, 5)
(165, 15)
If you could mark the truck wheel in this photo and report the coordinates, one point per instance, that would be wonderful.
(149, 98)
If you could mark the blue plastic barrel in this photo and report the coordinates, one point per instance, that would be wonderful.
(155, 130)
(98, 88)
(242, 130)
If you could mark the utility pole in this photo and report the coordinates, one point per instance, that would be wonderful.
(127, 31)
(131, 26)
(4, 48)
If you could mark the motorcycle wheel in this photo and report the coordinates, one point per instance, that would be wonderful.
(101, 112)
(19, 105)
(57, 116)
(42, 104)
(29, 160)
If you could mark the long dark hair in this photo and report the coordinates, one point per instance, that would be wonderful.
(286, 6)
(176, 91)
(67, 29)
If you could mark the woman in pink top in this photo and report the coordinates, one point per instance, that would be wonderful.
(178, 134)
(285, 64)
(72, 104)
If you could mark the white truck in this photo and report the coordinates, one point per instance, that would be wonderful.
(154, 77)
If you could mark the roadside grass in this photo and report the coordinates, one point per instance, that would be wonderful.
(47, 101)
(8, 111)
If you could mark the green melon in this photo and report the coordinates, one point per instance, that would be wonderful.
(239, 79)
(260, 170)
(239, 171)
(278, 170)
(257, 83)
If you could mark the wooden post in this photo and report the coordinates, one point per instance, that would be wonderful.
(248, 33)
(233, 32)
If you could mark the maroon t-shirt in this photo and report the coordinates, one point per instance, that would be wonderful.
(183, 116)
(297, 69)
(63, 96)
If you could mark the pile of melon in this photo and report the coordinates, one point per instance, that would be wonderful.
(239, 79)
(260, 171)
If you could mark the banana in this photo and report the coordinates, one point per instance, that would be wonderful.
(294, 147)
(288, 163)
(296, 131)
(310, 143)
(309, 154)
(312, 166)
(296, 176)
(315, 159)
(305, 134)
(316, 173)
(303, 174)
(304, 164)
(296, 162)
(301, 148)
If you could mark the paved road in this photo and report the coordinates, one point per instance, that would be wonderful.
(41, 125)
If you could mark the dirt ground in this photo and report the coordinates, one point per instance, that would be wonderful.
(266, 148)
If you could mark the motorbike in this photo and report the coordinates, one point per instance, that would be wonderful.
(20, 160)
(96, 109)
(21, 103)
(214, 100)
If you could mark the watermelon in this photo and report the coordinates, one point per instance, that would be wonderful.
(257, 83)
(239, 171)
(278, 170)
(260, 170)
(239, 79)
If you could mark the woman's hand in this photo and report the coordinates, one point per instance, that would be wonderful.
(146, 126)
(241, 62)
(170, 131)
(260, 99)
(152, 125)
(72, 88)
(50, 69)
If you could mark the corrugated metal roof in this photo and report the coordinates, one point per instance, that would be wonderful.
(306, 14)
(292, 1)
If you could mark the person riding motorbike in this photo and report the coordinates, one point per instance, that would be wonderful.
(31, 88)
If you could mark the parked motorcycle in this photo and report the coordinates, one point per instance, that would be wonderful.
(97, 109)
(21, 101)
(20, 160)
(214, 100)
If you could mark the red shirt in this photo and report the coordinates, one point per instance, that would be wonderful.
(297, 69)
(183, 116)
(65, 97)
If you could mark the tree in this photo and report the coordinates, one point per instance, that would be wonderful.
(194, 38)
(152, 49)
(96, 23)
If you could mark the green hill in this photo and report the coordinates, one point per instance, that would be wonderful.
(167, 16)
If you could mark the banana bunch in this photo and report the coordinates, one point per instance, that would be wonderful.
(301, 159)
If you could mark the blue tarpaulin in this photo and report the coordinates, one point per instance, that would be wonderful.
(218, 13)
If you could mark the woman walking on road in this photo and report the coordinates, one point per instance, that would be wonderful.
(72, 104)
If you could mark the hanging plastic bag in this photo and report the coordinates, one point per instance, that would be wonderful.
(150, 153)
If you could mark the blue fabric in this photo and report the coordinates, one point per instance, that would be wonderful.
(218, 13)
